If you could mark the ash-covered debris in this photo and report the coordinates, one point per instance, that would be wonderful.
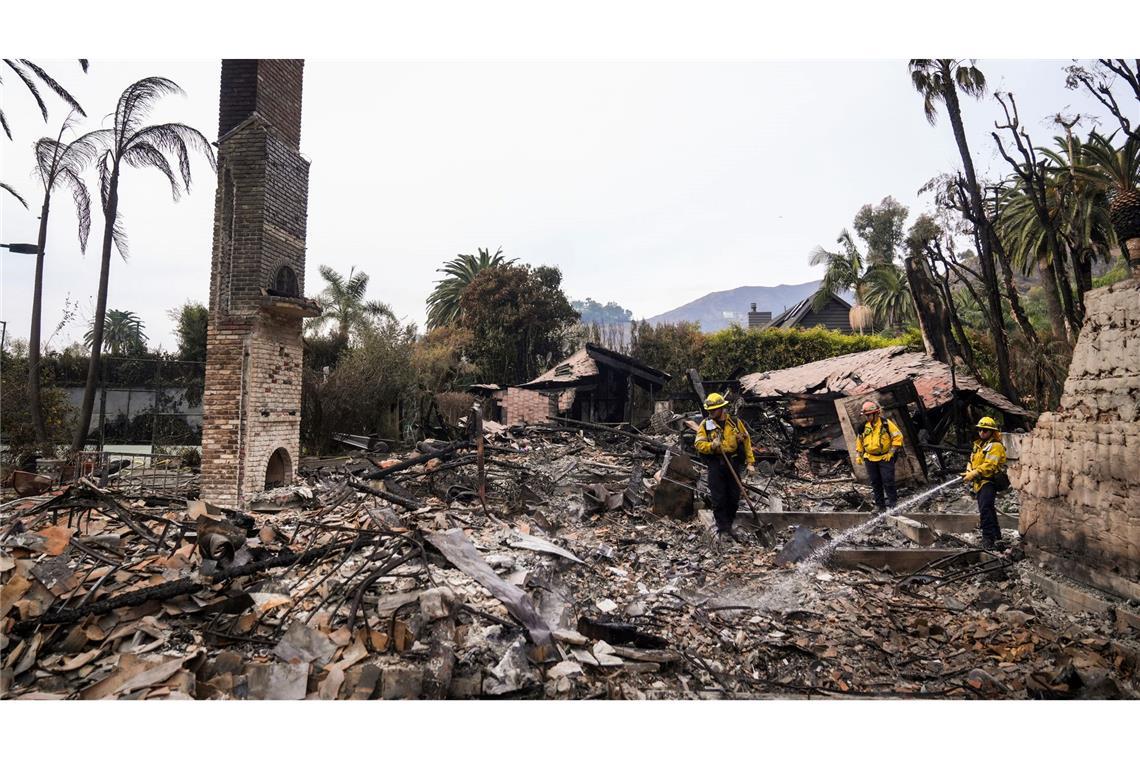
(579, 566)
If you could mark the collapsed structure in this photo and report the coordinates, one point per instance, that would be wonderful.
(595, 384)
(928, 399)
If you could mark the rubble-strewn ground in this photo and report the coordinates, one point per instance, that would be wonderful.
(329, 591)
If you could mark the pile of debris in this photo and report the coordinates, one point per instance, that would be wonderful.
(562, 560)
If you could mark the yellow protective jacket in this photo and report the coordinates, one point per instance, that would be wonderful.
(732, 435)
(878, 442)
(987, 459)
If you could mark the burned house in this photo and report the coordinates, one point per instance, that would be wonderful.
(593, 385)
(820, 400)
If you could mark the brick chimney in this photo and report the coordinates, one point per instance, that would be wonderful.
(252, 401)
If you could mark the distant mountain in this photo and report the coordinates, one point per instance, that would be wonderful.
(717, 311)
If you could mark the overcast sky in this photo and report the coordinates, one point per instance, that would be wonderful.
(646, 184)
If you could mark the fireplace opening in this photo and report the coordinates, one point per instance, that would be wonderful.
(280, 469)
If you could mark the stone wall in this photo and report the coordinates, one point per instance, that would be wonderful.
(1079, 470)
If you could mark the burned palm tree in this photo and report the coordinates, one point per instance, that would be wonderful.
(59, 164)
(30, 73)
(130, 142)
(940, 80)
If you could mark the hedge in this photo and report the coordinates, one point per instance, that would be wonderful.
(779, 348)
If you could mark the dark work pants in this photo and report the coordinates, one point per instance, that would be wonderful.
(725, 495)
(988, 512)
(882, 475)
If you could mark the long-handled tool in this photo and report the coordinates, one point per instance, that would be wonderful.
(743, 490)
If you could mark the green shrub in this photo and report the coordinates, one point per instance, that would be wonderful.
(15, 415)
(364, 392)
(779, 348)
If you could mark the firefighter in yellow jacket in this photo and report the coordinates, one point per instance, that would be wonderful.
(875, 447)
(986, 462)
(724, 442)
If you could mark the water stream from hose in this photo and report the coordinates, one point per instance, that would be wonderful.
(777, 596)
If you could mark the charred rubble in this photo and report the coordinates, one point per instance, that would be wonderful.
(558, 560)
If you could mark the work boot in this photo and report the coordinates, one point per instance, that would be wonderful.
(987, 543)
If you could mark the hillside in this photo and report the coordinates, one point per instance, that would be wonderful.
(710, 309)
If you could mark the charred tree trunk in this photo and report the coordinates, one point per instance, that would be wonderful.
(985, 252)
(34, 334)
(1052, 300)
(933, 320)
(1014, 298)
(1060, 273)
(110, 212)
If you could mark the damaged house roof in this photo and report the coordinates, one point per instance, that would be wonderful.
(856, 373)
(582, 366)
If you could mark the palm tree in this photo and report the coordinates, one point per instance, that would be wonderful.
(58, 164)
(1117, 171)
(342, 303)
(444, 302)
(1085, 227)
(132, 143)
(29, 72)
(940, 79)
(122, 333)
(1026, 238)
(887, 295)
(843, 270)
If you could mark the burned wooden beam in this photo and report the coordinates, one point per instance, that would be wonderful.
(891, 560)
(948, 522)
(377, 473)
(650, 443)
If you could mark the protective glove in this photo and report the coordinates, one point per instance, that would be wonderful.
(750, 470)
(858, 460)
(969, 475)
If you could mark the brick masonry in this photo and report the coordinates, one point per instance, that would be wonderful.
(252, 399)
(522, 405)
(1079, 470)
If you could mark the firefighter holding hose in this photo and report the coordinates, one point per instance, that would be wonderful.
(985, 473)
